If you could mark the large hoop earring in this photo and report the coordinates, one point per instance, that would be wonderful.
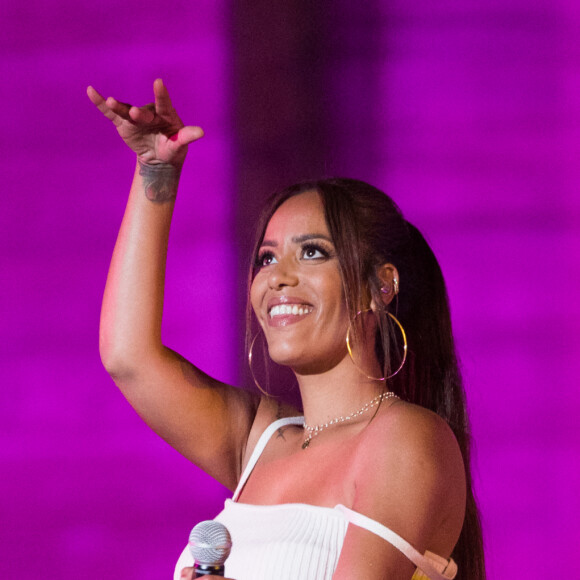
(404, 348)
(250, 365)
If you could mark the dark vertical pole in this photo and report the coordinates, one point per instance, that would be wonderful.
(280, 136)
(355, 50)
(305, 102)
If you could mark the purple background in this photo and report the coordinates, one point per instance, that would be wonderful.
(468, 113)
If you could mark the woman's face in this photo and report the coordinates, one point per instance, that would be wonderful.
(297, 293)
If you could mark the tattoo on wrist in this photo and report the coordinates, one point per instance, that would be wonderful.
(160, 181)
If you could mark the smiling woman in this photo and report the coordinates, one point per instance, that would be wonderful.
(370, 479)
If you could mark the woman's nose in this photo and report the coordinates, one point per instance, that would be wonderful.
(282, 274)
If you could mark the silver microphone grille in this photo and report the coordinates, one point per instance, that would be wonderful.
(210, 543)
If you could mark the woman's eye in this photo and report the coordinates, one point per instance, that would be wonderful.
(314, 253)
(265, 259)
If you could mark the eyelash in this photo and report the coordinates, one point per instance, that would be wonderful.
(259, 262)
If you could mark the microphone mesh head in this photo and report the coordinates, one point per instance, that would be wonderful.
(210, 543)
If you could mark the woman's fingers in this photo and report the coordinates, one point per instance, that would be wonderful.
(159, 113)
(98, 100)
(155, 131)
(163, 105)
(114, 110)
(144, 115)
(187, 135)
(94, 95)
(187, 574)
(119, 108)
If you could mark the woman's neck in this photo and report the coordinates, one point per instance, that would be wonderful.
(338, 392)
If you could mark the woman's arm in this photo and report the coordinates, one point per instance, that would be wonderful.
(409, 476)
(207, 421)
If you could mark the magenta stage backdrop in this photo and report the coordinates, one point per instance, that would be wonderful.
(474, 128)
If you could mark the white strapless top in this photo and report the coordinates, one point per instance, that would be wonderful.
(290, 541)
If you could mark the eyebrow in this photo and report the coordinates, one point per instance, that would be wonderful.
(298, 239)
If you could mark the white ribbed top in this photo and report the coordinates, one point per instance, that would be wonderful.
(289, 541)
(283, 541)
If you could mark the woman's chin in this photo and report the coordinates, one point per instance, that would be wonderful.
(285, 357)
(294, 359)
(301, 363)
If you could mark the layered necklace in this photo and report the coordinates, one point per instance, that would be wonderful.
(314, 430)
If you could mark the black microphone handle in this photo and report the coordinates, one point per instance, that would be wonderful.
(206, 570)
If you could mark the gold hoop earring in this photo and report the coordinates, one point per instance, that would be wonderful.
(348, 347)
(250, 365)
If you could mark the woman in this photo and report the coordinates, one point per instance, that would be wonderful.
(373, 481)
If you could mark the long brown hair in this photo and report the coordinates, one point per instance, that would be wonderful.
(368, 230)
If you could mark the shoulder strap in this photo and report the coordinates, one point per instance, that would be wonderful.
(260, 446)
(421, 561)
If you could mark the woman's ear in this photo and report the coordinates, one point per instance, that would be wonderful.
(389, 278)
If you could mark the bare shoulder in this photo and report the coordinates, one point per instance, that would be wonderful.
(269, 410)
(411, 477)
(412, 434)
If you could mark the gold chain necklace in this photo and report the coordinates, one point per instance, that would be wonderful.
(313, 431)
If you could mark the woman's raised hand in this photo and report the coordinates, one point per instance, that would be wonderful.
(154, 132)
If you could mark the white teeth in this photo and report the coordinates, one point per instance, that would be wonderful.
(285, 309)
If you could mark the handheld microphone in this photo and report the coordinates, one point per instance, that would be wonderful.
(210, 544)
